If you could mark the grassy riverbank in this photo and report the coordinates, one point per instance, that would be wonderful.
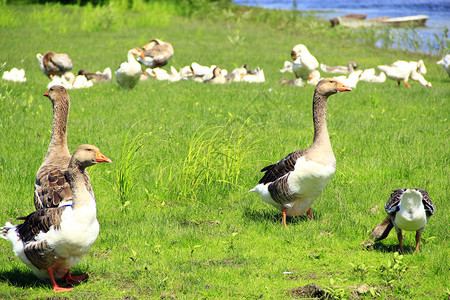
(176, 219)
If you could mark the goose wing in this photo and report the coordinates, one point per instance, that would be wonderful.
(392, 206)
(52, 188)
(429, 207)
(281, 168)
(38, 252)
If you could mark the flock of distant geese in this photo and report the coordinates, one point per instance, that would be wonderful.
(145, 63)
(64, 226)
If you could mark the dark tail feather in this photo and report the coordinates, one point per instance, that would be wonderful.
(382, 230)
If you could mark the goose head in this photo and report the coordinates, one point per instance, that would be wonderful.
(88, 155)
(298, 50)
(330, 86)
(58, 95)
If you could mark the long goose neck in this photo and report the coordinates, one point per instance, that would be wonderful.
(77, 179)
(321, 137)
(58, 142)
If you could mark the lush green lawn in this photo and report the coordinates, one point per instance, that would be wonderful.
(180, 222)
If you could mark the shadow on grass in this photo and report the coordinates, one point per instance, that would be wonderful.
(275, 217)
(21, 278)
(381, 247)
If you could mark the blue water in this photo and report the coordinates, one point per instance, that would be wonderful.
(437, 10)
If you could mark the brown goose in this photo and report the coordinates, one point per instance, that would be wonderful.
(156, 54)
(292, 184)
(53, 63)
(51, 188)
(46, 241)
(407, 209)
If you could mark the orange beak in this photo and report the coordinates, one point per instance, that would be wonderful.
(343, 88)
(99, 157)
(142, 55)
(46, 94)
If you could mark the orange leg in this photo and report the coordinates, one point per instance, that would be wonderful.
(309, 214)
(77, 279)
(56, 287)
(418, 234)
(406, 84)
(284, 211)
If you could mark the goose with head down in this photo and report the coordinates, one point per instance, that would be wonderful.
(407, 209)
(295, 182)
(46, 241)
(156, 54)
(53, 63)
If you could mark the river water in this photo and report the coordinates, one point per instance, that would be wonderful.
(437, 10)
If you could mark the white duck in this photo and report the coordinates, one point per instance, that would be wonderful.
(287, 67)
(50, 241)
(303, 63)
(81, 82)
(368, 75)
(129, 72)
(409, 209)
(15, 75)
(218, 77)
(314, 77)
(445, 62)
(255, 76)
(351, 80)
(156, 54)
(292, 184)
(53, 63)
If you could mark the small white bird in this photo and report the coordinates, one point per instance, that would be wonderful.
(256, 76)
(368, 75)
(351, 80)
(129, 72)
(15, 75)
(445, 62)
(287, 67)
(303, 63)
(314, 77)
(409, 209)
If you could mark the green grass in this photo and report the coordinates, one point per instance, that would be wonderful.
(175, 215)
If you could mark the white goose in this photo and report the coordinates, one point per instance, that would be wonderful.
(46, 241)
(218, 77)
(409, 209)
(97, 76)
(292, 184)
(401, 70)
(287, 67)
(129, 72)
(303, 63)
(445, 62)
